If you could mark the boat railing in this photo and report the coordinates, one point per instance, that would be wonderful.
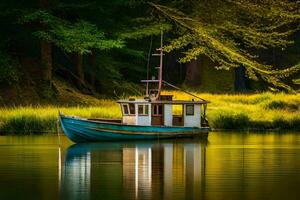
(106, 120)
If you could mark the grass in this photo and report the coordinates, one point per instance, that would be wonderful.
(265, 111)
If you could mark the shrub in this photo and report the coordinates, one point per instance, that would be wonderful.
(227, 121)
(286, 124)
(279, 104)
(295, 123)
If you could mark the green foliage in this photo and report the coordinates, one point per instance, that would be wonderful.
(40, 16)
(79, 37)
(9, 72)
(297, 81)
(142, 28)
(232, 35)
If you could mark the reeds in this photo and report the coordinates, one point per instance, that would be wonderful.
(263, 111)
(37, 120)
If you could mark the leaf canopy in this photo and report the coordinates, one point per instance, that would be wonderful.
(231, 33)
(79, 37)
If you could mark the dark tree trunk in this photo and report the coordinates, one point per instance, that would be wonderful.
(46, 49)
(79, 68)
(92, 63)
(46, 60)
(44, 4)
(173, 73)
(192, 77)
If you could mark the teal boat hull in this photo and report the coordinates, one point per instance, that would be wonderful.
(84, 130)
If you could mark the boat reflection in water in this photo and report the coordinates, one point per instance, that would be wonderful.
(151, 170)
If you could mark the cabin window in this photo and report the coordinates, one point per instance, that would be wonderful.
(177, 110)
(160, 109)
(143, 109)
(157, 110)
(132, 109)
(189, 109)
(125, 109)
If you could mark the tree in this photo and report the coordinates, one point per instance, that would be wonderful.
(79, 37)
(46, 48)
(230, 33)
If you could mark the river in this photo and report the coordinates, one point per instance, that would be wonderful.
(228, 165)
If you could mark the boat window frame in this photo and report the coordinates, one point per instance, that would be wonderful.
(156, 108)
(128, 109)
(145, 108)
(131, 113)
(187, 111)
(123, 109)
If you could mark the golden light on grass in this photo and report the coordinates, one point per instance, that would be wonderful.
(240, 111)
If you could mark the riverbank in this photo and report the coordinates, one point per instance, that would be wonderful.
(262, 112)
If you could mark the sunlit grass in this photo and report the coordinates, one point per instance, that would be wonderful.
(242, 111)
(250, 111)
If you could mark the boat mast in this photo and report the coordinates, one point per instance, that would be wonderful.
(160, 68)
(159, 80)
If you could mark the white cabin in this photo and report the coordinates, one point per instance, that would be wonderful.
(144, 112)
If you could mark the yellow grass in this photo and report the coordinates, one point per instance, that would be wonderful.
(240, 111)
(256, 106)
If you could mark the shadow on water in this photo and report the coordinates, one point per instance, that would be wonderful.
(134, 170)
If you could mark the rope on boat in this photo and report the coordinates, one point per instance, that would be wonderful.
(178, 88)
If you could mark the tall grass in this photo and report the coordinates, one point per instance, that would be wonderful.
(242, 111)
(263, 111)
(41, 119)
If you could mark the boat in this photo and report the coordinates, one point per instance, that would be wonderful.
(151, 117)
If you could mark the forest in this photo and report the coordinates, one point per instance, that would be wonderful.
(69, 53)
(102, 47)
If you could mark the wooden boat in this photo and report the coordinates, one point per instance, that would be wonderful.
(152, 117)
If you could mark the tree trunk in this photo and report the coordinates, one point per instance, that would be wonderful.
(92, 63)
(44, 4)
(46, 60)
(79, 68)
(192, 77)
(46, 49)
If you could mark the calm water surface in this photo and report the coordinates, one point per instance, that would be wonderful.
(228, 166)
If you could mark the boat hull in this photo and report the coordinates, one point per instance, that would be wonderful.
(84, 130)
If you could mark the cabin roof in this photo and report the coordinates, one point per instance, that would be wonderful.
(162, 102)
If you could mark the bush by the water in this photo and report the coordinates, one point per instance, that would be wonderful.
(229, 121)
(28, 124)
(242, 112)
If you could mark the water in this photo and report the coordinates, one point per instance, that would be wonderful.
(227, 166)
